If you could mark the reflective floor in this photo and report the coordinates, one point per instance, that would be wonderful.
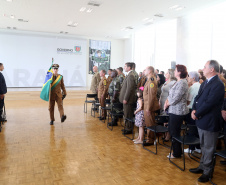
(80, 151)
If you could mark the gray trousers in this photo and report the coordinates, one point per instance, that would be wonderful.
(128, 113)
(208, 142)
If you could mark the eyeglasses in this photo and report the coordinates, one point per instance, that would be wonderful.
(55, 68)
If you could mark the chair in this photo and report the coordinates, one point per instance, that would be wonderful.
(159, 128)
(132, 120)
(94, 108)
(187, 139)
(107, 107)
(88, 96)
(222, 154)
(112, 113)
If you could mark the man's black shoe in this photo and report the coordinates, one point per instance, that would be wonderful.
(223, 162)
(196, 170)
(204, 178)
(102, 118)
(51, 123)
(63, 118)
(112, 124)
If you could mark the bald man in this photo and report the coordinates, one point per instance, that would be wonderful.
(95, 80)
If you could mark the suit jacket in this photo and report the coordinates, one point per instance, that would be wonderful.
(150, 95)
(128, 89)
(95, 82)
(57, 90)
(208, 104)
(224, 82)
(3, 88)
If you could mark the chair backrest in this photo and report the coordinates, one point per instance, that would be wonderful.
(162, 119)
(91, 95)
(118, 106)
(191, 130)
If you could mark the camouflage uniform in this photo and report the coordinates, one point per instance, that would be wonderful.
(121, 78)
(113, 91)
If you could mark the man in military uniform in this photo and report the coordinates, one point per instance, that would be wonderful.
(56, 95)
(3, 91)
(113, 91)
(102, 93)
(142, 80)
(127, 97)
(95, 80)
(121, 76)
(151, 104)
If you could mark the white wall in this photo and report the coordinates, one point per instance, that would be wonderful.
(117, 48)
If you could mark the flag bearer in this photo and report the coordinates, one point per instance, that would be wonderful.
(57, 95)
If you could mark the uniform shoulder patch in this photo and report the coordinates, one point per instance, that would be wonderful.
(152, 85)
(105, 82)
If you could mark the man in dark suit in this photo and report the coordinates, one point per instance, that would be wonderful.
(207, 113)
(127, 96)
(3, 90)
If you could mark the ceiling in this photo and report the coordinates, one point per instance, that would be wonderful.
(107, 20)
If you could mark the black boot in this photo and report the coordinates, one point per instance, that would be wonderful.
(63, 118)
(51, 123)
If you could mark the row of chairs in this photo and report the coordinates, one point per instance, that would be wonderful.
(187, 138)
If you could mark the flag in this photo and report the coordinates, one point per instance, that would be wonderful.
(47, 84)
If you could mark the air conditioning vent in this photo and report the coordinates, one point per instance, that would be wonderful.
(158, 15)
(22, 20)
(129, 28)
(94, 3)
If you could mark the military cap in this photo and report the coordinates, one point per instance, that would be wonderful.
(55, 66)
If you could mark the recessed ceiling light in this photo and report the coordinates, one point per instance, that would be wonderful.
(89, 10)
(145, 19)
(82, 9)
(9, 0)
(70, 23)
(174, 7)
(12, 16)
(179, 8)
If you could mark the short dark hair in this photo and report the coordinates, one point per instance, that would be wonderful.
(110, 70)
(120, 69)
(183, 70)
(114, 71)
(214, 64)
(129, 64)
(103, 71)
(1, 64)
(157, 70)
(162, 79)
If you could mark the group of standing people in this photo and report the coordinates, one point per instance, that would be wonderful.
(195, 98)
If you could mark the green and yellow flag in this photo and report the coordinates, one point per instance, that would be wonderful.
(47, 84)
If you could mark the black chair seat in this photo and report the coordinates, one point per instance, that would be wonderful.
(158, 129)
(106, 108)
(91, 95)
(162, 119)
(188, 140)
